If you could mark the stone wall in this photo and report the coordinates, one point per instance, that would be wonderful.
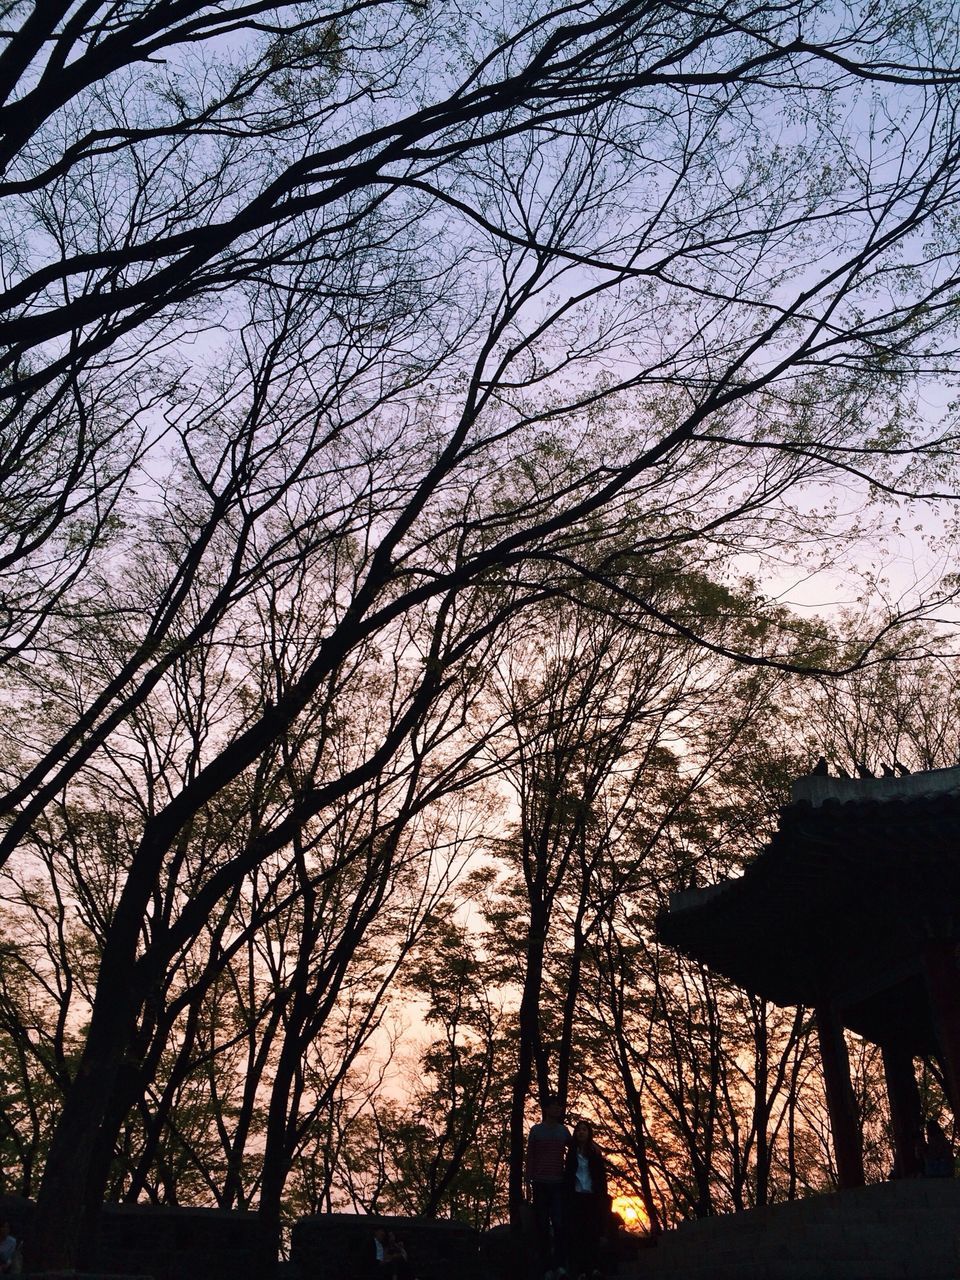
(339, 1246)
(182, 1244)
(168, 1243)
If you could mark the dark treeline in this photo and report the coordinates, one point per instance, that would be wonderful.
(408, 422)
(367, 1020)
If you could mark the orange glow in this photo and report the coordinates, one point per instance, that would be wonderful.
(631, 1210)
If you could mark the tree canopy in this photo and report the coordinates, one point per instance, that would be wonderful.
(337, 342)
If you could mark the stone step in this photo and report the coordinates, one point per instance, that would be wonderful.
(919, 1266)
(797, 1215)
(932, 1255)
(805, 1269)
(844, 1248)
(896, 1231)
(803, 1235)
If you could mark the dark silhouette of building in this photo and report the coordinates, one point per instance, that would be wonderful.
(853, 910)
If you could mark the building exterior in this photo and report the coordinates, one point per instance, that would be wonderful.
(852, 910)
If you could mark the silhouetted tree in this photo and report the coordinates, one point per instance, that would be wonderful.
(408, 321)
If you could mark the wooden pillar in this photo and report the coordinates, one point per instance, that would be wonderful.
(906, 1111)
(943, 988)
(841, 1104)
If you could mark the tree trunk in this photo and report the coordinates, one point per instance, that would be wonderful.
(78, 1162)
(529, 1034)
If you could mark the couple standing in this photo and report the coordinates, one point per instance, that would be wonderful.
(567, 1184)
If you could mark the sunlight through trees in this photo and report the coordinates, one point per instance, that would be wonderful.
(407, 418)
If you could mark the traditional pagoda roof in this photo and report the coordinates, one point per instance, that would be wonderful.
(839, 905)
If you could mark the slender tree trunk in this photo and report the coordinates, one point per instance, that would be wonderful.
(77, 1167)
(634, 1107)
(571, 995)
(283, 1108)
(761, 1106)
(529, 1035)
(233, 1182)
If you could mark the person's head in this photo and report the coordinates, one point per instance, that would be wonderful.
(583, 1133)
(380, 1233)
(4, 1229)
(552, 1109)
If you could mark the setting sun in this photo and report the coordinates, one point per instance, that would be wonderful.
(631, 1210)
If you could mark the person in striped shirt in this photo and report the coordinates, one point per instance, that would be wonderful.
(547, 1145)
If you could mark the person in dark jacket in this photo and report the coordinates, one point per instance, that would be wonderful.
(937, 1153)
(585, 1181)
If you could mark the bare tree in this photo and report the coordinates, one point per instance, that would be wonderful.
(300, 917)
(473, 313)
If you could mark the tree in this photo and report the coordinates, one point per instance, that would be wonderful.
(438, 1148)
(298, 921)
(430, 272)
(586, 704)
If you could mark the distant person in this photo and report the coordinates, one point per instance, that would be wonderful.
(390, 1257)
(585, 1182)
(937, 1153)
(8, 1250)
(547, 1145)
(380, 1251)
